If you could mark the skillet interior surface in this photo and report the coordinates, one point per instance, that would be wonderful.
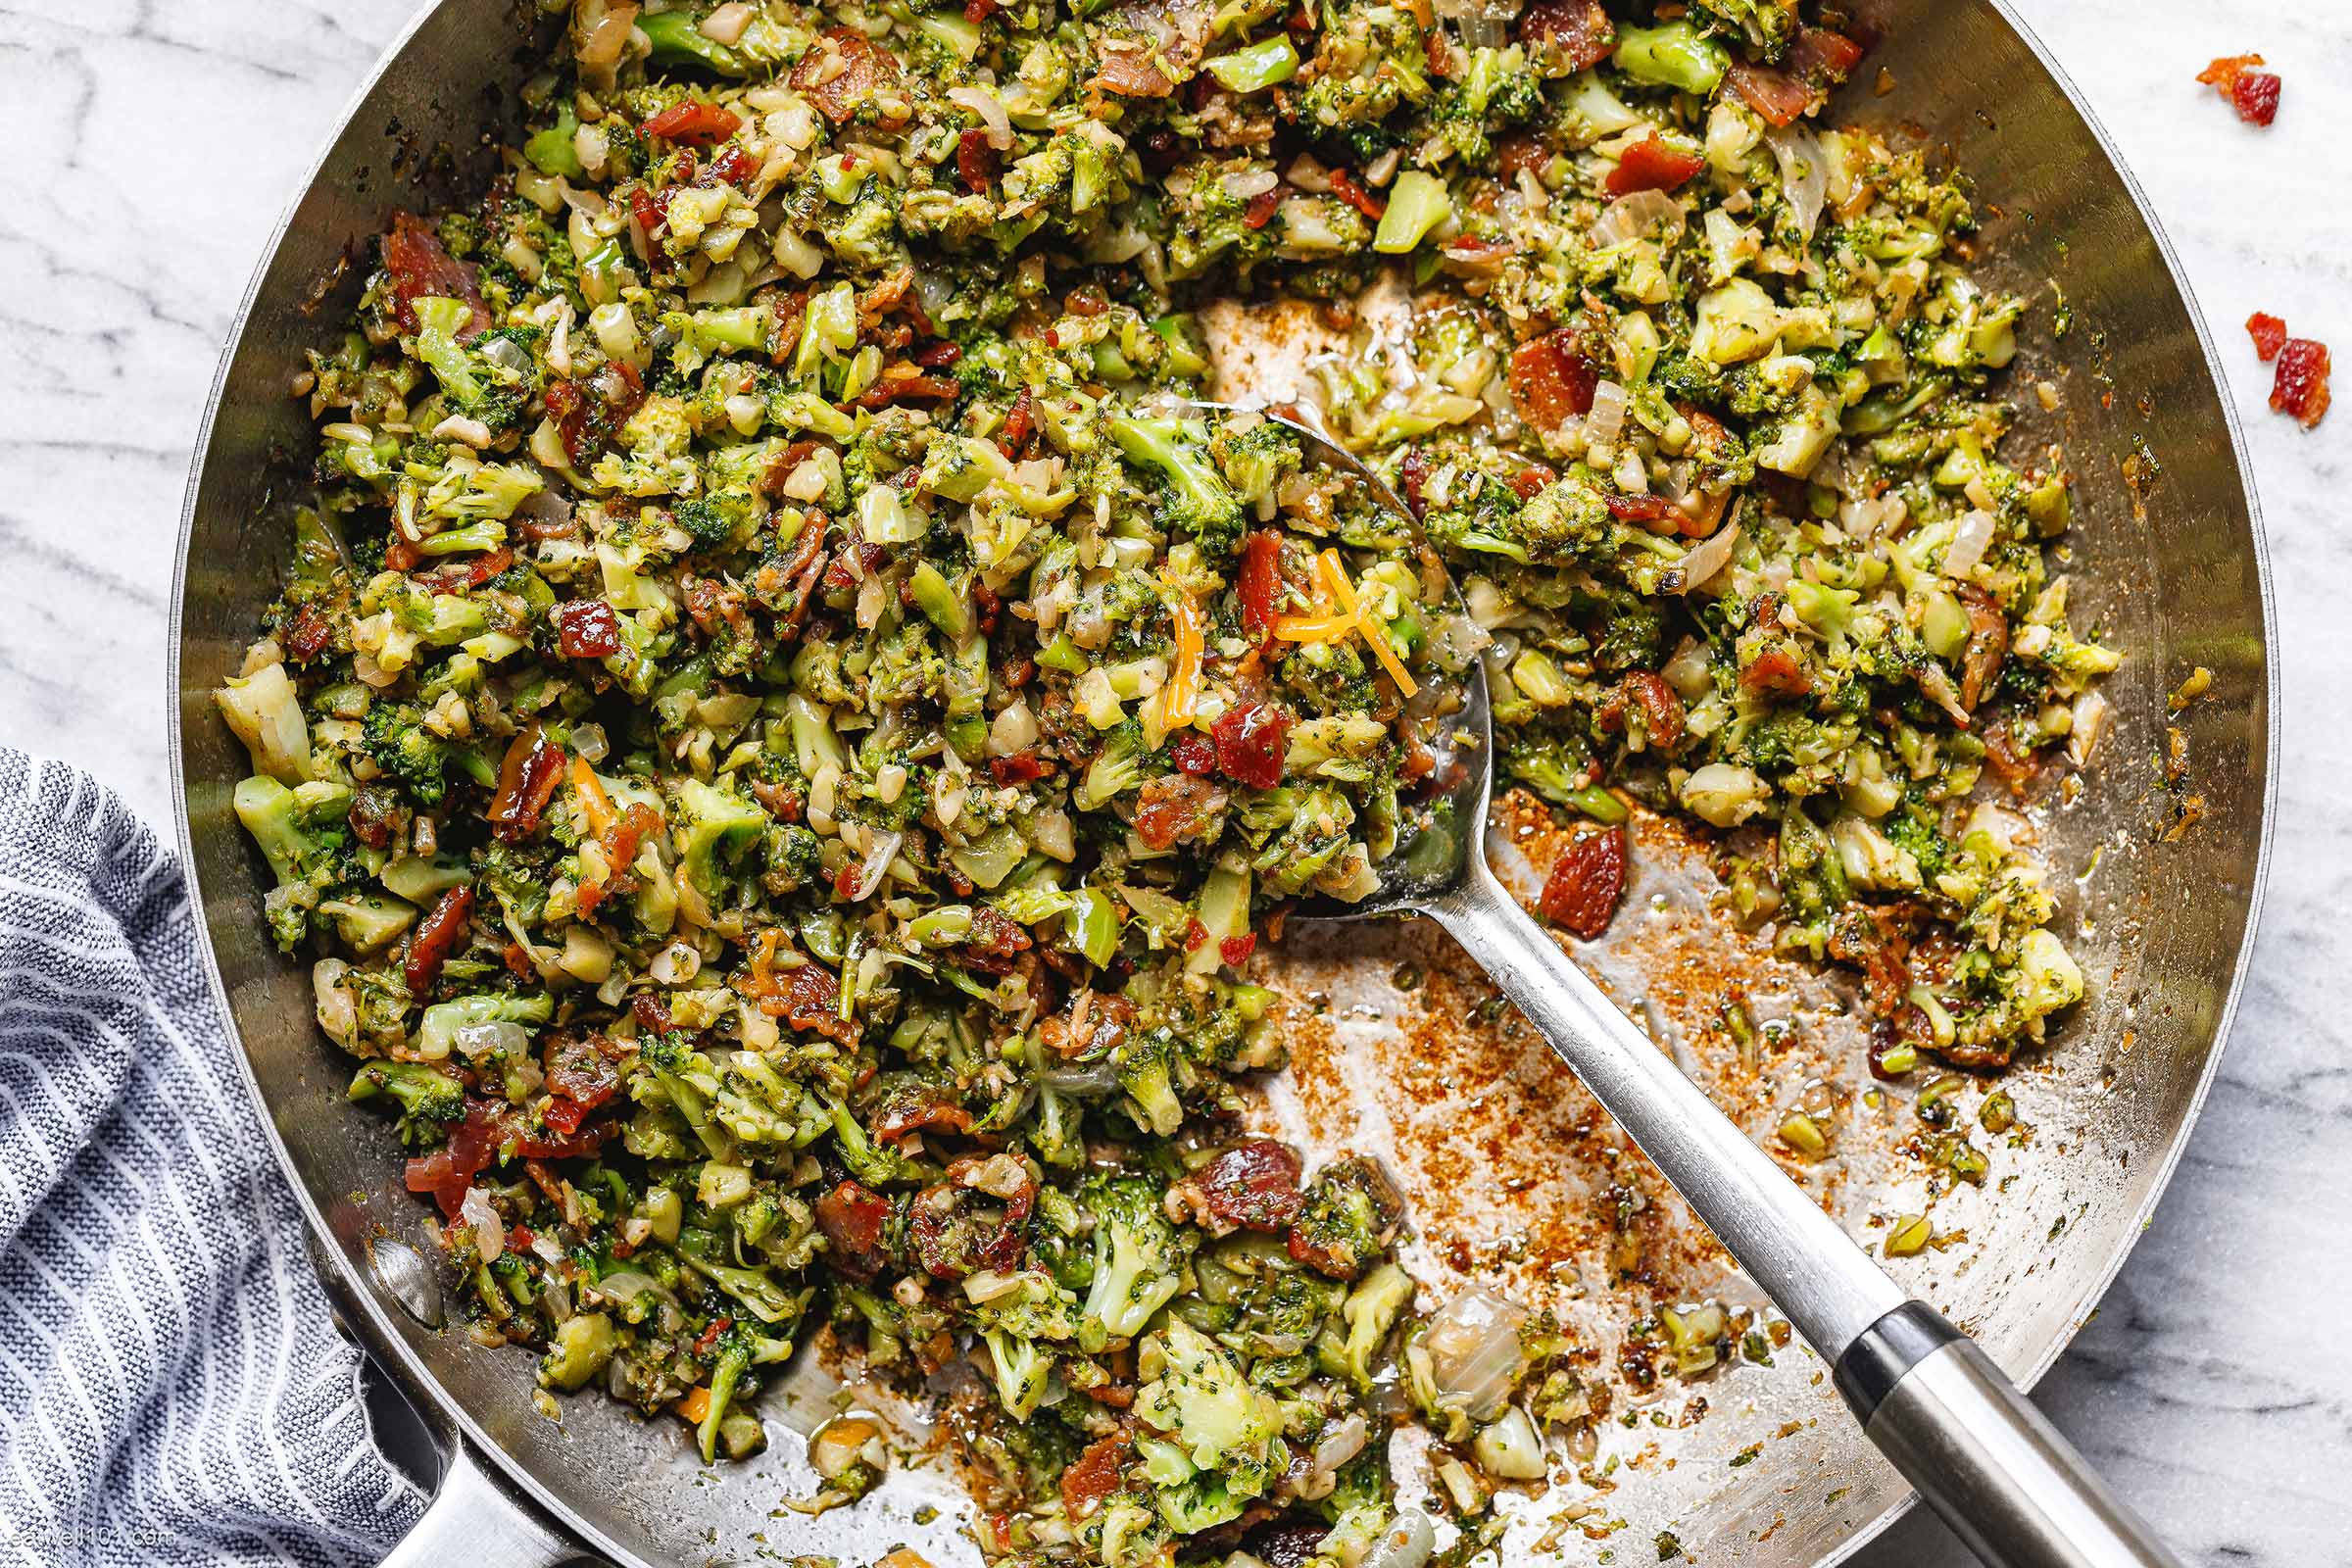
(1516, 1178)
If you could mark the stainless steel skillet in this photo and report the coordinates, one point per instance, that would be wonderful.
(2177, 572)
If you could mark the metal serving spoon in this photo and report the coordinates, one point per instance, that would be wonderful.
(1935, 1404)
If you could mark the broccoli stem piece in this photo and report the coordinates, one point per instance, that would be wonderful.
(438, 323)
(1258, 66)
(429, 1098)
(1674, 55)
(734, 1356)
(679, 41)
(1417, 204)
(438, 1031)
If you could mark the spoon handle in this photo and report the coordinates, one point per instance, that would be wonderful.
(1935, 1404)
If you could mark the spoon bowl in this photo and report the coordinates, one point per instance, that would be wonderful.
(1935, 1404)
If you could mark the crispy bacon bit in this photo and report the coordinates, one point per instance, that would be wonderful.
(1193, 752)
(373, 815)
(1661, 708)
(1196, 936)
(1987, 645)
(651, 1014)
(1520, 151)
(1261, 208)
(526, 780)
(2015, 768)
(1822, 56)
(456, 576)
(1131, 74)
(2253, 93)
(1585, 883)
(852, 1216)
(620, 843)
(811, 1002)
(587, 628)
(1020, 423)
(1776, 672)
(437, 937)
(1349, 189)
(308, 634)
(1095, 1476)
(1651, 164)
(1412, 474)
(1776, 95)
(907, 388)
(449, 1170)
(646, 208)
(421, 268)
(2269, 334)
(977, 12)
(865, 69)
(1578, 32)
(1251, 740)
(939, 356)
(1021, 767)
(585, 1070)
(975, 161)
(588, 417)
(1251, 1186)
(694, 124)
(1259, 581)
(2301, 387)
(1550, 378)
(734, 166)
(857, 560)
(1236, 951)
(1173, 808)
(1635, 508)
(1529, 482)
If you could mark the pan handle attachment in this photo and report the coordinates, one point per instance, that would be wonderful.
(475, 1517)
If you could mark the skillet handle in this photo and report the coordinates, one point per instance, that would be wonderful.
(1984, 1459)
(476, 1518)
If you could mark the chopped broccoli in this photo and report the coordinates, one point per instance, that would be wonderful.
(1194, 500)
(1348, 1218)
(1139, 1259)
(717, 823)
(395, 735)
(429, 1098)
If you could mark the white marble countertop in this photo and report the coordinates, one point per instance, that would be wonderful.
(2205, 1386)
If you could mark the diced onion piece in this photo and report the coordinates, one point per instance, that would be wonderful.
(489, 1231)
(1804, 173)
(879, 852)
(1250, 182)
(1633, 215)
(725, 26)
(1407, 1542)
(1709, 556)
(1606, 422)
(980, 101)
(1474, 1354)
(1969, 543)
(2091, 713)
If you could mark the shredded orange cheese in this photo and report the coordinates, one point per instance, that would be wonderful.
(695, 1407)
(1181, 693)
(1351, 619)
(763, 963)
(595, 804)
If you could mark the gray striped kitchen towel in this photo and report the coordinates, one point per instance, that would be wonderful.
(172, 1387)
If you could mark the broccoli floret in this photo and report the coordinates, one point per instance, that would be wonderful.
(429, 1098)
(1255, 462)
(1349, 1219)
(437, 1032)
(717, 823)
(1482, 516)
(1554, 766)
(490, 378)
(1567, 521)
(1812, 877)
(1194, 501)
(1206, 1407)
(584, 1345)
(395, 736)
(1117, 768)
(1020, 1368)
(1766, 27)
(1147, 1069)
(1371, 1310)
(302, 833)
(1139, 1260)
